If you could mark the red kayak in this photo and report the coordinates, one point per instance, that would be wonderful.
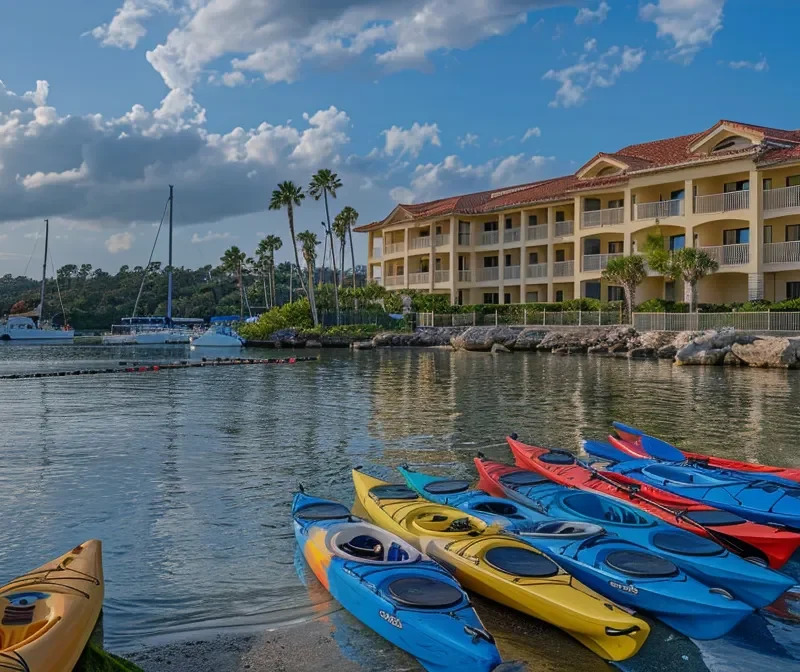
(631, 443)
(773, 545)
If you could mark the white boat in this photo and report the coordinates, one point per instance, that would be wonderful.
(218, 337)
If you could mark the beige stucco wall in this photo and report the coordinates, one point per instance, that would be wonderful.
(723, 288)
(775, 284)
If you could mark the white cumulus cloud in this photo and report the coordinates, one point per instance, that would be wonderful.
(534, 132)
(209, 236)
(690, 24)
(586, 15)
(119, 242)
(410, 141)
(126, 28)
(758, 66)
(468, 140)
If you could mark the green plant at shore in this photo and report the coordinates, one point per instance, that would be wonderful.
(94, 659)
(628, 272)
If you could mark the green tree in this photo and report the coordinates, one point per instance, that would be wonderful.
(288, 195)
(310, 243)
(85, 272)
(351, 215)
(340, 231)
(233, 261)
(325, 182)
(628, 272)
(266, 258)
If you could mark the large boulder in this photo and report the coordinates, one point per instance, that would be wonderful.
(667, 351)
(529, 339)
(711, 348)
(498, 349)
(769, 353)
(481, 339)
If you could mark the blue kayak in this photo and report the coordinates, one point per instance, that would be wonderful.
(701, 558)
(620, 570)
(391, 587)
(760, 501)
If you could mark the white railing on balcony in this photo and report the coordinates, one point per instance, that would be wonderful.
(537, 270)
(565, 228)
(395, 280)
(733, 200)
(421, 243)
(597, 262)
(607, 217)
(512, 235)
(782, 199)
(377, 253)
(422, 278)
(394, 248)
(441, 276)
(464, 239)
(782, 253)
(728, 255)
(441, 239)
(465, 276)
(537, 232)
(378, 280)
(563, 269)
(489, 238)
(660, 209)
(489, 274)
(511, 272)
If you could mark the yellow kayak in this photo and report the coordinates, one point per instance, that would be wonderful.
(49, 613)
(505, 569)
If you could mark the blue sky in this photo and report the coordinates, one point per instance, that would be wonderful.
(103, 104)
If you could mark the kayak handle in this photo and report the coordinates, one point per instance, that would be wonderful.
(478, 633)
(721, 591)
(614, 632)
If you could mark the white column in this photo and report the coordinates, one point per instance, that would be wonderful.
(523, 258)
(453, 264)
(501, 227)
(755, 281)
(551, 255)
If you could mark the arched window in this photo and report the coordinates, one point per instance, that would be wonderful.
(732, 142)
(608, 170)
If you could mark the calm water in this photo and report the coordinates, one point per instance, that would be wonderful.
(187, 476)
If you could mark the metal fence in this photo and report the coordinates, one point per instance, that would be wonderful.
(523, 318)
(352, 317)
(763, 321)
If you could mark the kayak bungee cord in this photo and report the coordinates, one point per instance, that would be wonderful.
(16, 662)
(43, 578)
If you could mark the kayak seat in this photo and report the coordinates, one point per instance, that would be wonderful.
(714, 518)
(685, 544)
(557, 457)
(520, 562)
(498, 508)
(396, 554)
(364, 546)
(323, 511)
(424, 593)
(642, 565)
(393, 491)
(447, 487)
(522, 478)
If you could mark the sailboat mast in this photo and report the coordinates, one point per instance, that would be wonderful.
(44, 267)
(169, 277)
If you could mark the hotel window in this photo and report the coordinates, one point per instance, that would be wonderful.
(618, 203)
(492, 298)
(793, 181)
(741, 185)
(460, 297)
(593, 290)
(792, 233)
(463, 263)
(533, 220)
(767, 183)
(559, 295)
(793, 290)
(532, 297)
(424, 265)
(490, 262)
(533, 258)
(506, 298)
(508, 260)
(400, 270)
(425, 233)
(677, 242)
(669, 291)
(677, 195)
(490, 226)
(591, 246)
(616, 294)
(767, 234)
(736, 236)
(560, 216)
(438, 264)
(509, 223)
(561, 255)
(438, 230)
(592, 204)
(615, 247)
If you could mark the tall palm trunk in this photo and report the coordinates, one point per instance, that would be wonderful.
(264, 272)
(241, 291)
(333, 256)
(311, 298)
(290, 210)
(630, 295)
(352, 261)
(343, 244)
(272, 279)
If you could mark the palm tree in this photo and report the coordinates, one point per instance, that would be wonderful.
(340, 230)
(288, 195)
(266, 257)
(691, 265)
(232, 261)
(325, 182)
(310, 242)
(629, 272)
(351, 215)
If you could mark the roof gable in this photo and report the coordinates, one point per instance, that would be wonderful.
(715, 136)
(602, 165)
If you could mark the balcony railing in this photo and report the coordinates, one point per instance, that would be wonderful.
(465, 276)
(782, 253)
(732, 200)
(597, 262)
(565, 228)
(537, 232)
(378, 281)
(660, 209)
(607, 217)
(489, 274)
(441, 239)
(464, 239)
(782, 199)
(421, 243)
(729, 255)
(395, 280)
(441, 276)
(394, 248)
(489, 238)
(377, 253)
(511, 272)
(563, 269)
(511, 235)
(422, 278)
(537, 270)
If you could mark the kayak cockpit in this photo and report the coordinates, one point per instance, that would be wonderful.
(564, 530)
(603, 509)
(682, 475)
(363, 542)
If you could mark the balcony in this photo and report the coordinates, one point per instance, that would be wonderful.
(377, 253)
(512, 235)
(421, 243)
(511, 272)
(421, 278)
(489, 274)
(537, 270)
(564, 228)
(489, 238)
(395, 280)
(563, 269)
(729, 255)
(464, 239)
(395, 248)
(660, 209)
(729, 202)
(782, 253)
(441, 276)
(608, 217)
(538, 232)
(378, 281)
(441, 239)
(786, 198)
(598, 262)
(465, 276)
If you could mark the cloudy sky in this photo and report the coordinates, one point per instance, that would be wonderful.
(103, 103)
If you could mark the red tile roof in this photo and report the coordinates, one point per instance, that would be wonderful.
(654, 155)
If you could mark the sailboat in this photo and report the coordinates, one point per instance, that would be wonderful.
(31, 326)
